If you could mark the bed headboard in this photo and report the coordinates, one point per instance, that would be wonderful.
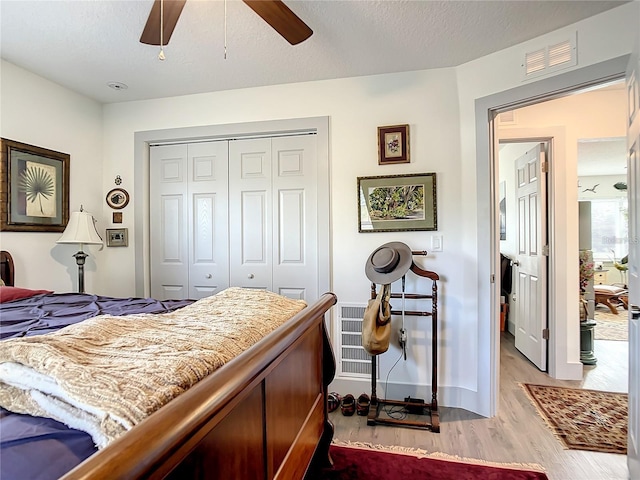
(6, 268)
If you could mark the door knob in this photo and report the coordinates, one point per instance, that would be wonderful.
(250, 275)
(635, 311)
(208, 275)
(516, 263)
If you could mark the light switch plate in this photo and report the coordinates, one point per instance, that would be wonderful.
(436, 243)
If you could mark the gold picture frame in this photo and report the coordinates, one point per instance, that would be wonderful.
(397, 203)
(34, 188)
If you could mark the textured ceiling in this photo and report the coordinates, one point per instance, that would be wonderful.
(83, 45)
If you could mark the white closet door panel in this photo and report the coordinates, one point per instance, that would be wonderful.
(254, 227)
(295, 269)
(172, 223)
(250, 213)
(291, 227)
(168, 221)
(208, 218)
(171, 292)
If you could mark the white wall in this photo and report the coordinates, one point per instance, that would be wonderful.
(39, 112)
(439, 107)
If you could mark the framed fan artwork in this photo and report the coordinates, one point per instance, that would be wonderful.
(34, 188)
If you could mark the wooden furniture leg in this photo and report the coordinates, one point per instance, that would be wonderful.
(605, 299)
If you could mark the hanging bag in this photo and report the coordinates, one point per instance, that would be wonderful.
(376, 323)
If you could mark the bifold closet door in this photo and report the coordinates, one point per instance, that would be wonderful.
(189, 220)
(250, 213)
(273, 215)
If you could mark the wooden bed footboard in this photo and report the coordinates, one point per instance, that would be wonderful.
(263, 415)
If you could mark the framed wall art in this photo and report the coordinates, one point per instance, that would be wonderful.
(34, 188)
(393, 144)
(397, 203)
(117, 237)
(503, 210)
(117, 198)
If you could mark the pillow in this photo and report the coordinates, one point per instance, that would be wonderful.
(2, 284)
(14, 293)
(608, 289)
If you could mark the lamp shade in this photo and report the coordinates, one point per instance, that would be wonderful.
(81, 229)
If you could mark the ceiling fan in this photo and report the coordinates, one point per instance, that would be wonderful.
(274, 12)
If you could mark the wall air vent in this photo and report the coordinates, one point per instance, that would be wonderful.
(536, 61)
(507, 118)
(353, 360)
(555, 56)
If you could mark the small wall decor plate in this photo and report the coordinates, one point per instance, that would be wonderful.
(117, 198)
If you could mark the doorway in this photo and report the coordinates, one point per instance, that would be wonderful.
(592, 125)
(564, 348)
(524, 244)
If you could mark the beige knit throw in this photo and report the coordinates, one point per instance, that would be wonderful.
(106, 374)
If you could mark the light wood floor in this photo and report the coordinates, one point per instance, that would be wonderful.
(517, 434)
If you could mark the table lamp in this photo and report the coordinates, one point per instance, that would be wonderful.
(81, 229)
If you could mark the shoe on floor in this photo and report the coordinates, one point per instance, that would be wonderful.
(348, 406)
(362, 406)
(333, 401)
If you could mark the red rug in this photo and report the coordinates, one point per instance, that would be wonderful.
(357, 463)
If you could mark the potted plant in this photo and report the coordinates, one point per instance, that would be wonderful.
(586, 275)
(587, 324)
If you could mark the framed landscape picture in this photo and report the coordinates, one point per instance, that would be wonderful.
(397, 203)
(34, 188)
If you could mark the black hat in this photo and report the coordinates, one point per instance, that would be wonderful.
(388, 263)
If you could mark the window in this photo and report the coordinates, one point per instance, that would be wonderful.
(609, 229)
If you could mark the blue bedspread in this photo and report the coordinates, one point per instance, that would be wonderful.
(39, 448)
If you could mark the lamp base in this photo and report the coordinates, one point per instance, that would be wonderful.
(80, 257)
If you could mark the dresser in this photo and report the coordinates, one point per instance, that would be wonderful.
(600, 277)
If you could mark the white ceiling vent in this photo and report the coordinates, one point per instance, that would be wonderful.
(553, 57)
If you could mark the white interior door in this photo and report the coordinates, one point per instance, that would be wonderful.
(273, 215)
(531, 261)
(295, 217)
(189, 220)
(168, 222)
(208, 218)
(633, 173)
(250, 213)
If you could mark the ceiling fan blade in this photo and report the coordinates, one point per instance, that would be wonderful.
(151, 33)
(282, 19)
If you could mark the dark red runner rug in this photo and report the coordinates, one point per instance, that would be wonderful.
(372, 464)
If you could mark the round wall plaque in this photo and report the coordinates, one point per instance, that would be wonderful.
(117, 198)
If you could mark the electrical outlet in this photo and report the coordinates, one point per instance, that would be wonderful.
(403, 336)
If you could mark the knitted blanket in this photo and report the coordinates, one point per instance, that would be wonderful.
(106, 374)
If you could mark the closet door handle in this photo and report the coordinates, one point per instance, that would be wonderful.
(250, 275)
(208, 275)
(635, 311)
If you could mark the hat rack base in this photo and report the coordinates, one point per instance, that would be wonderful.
(411, 406)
